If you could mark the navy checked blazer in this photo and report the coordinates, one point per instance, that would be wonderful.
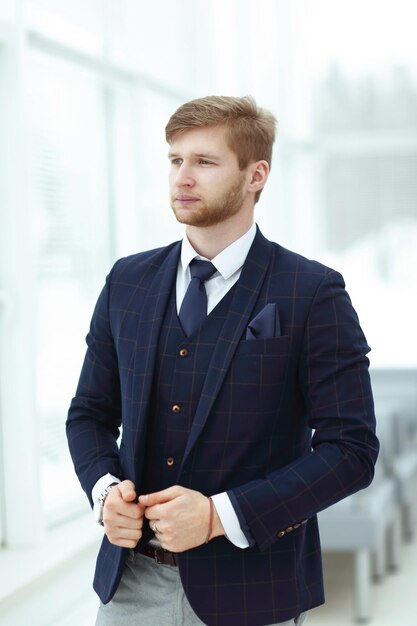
(284, 424)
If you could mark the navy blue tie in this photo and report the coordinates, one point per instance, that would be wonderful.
(194, 306)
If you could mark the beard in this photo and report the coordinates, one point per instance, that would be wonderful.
(215, 211)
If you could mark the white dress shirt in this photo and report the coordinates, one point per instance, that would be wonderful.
(229, 265)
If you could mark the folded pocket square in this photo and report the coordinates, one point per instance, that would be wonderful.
(266, 324)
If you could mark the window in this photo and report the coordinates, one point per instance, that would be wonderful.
(69, 207)
(352, 157)
(80, 147)
(83, 188)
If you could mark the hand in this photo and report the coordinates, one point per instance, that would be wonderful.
(182, 516)
(123, 516)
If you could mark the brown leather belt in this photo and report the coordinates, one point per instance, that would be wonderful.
(159, 555)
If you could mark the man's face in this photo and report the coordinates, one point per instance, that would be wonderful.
(206, 185)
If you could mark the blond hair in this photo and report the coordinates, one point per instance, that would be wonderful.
(250, 129)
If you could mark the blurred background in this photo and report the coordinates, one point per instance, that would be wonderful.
(86, 88)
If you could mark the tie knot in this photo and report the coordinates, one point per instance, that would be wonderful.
(201, 269)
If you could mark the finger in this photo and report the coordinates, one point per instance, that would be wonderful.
(158, 497)
(127, 490)
(156, 526)
(125, 533)
(124, 539)
(151, 513)
(124, 543)
(154, 512)
(117, 506)
(114, 520)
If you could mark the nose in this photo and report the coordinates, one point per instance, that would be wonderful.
(184, 176)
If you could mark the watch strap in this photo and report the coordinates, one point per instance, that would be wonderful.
(99, 505)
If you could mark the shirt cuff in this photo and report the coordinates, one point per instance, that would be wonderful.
(229, 520)
(102, 484)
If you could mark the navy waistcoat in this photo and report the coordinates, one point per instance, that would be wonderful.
(181, 367)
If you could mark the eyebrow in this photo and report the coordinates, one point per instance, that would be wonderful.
(200, 155)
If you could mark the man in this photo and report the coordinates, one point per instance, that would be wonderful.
(219, 375)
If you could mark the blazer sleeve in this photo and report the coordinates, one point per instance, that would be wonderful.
(335, 385)
(94, 416)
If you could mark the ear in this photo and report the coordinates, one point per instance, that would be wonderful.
(258, 175)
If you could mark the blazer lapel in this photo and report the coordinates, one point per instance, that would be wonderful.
(244, 299)
(149, 326)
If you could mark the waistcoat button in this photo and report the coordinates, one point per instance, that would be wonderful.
(170, 461)
(183, 352)
(176, 408)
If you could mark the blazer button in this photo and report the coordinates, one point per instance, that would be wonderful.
(281, 533)
(170, 461)
(183, 352)
(176, 408)
(289, 529)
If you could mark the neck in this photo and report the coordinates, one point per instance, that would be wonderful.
(211, 240)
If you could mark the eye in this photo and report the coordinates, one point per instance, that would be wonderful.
(204, 162)
(177, 161)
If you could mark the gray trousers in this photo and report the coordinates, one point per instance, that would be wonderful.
(151, 594)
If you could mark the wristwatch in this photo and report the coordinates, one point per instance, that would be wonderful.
(99, 504)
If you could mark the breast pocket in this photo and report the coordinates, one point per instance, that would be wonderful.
(253, 388)
(278, 346)
(261, 362)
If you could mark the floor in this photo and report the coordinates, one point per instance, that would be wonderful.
(393, 597)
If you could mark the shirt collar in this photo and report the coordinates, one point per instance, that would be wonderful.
(229, 260)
